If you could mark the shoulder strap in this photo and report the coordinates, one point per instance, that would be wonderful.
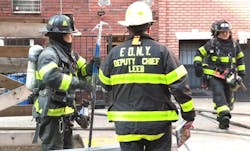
(212, 43)
(234, 52)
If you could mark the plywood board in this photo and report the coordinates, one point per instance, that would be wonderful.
(13, 65)
(14, 97)
(14, 51)
(17, 110)
(16, 138)
(8, 83)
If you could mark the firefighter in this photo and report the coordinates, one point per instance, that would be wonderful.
(141, 75)
(60, 71)
(225, 69)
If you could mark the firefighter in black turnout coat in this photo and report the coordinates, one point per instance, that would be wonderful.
(60, 71)
(221, 62)
(141, 75)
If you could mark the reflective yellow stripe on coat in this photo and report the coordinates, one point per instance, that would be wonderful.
(60, 111)
(65, 81)
(150, 78)
(187, 106)
(136, 137)
(40, 74)
(54, 112)
(142, 116)
(81, 64)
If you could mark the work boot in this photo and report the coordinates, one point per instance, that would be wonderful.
(224, 122)
(224, 119)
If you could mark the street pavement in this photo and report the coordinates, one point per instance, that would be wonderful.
(206, 136)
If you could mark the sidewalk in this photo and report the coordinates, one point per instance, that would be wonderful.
(234, 139)
(206, 135)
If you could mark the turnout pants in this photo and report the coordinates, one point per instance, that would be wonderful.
(222, 95)
(55, 133)
(162, 144)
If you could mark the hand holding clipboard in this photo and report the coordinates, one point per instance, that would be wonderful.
(183, 132)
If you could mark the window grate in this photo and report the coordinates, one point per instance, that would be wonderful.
(26, 6)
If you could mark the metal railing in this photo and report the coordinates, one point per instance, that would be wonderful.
(84, 45)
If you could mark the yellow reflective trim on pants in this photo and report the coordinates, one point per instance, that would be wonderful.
(222, 108)
(46, 69)
(60, 111)
(137, 137)
(150, 78)
(203, 51)
(241, 67)
(142, 116)
(103, 78)
(65, 83)
(188, 106)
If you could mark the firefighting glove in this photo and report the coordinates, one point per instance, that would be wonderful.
(85, 86)
(82, 121)
(96, 61)
(188, 116)
(80, 84)
(198, 69)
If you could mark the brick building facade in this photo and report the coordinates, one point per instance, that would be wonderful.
(172, 16)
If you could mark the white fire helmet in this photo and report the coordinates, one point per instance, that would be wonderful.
(138, 13)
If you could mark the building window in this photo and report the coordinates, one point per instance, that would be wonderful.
(26, 6)
(118, 39)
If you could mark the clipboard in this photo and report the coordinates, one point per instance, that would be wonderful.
(182, 134)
